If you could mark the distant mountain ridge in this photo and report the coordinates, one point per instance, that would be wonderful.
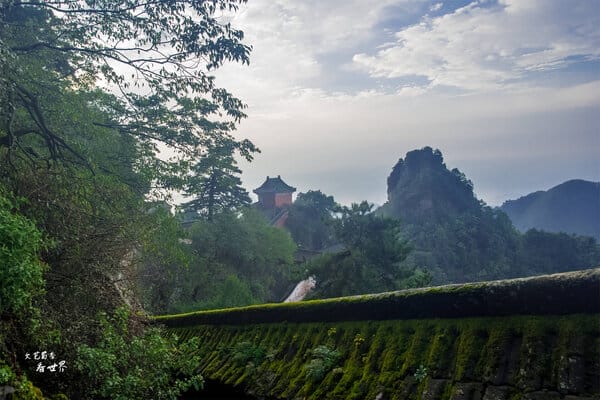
(571, 207)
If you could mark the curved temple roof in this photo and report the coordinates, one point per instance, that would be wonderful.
(274, 185)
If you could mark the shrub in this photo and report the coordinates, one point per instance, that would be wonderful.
(323, 361)
(21, 272)
(244, 353)
(420, 373)
(147, 366)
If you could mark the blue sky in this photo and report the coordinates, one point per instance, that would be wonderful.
(337, 91)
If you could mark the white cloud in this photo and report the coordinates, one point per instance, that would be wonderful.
(436, 7)
(488, 47)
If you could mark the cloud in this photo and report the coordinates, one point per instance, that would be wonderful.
(483, 47)
(436, 7)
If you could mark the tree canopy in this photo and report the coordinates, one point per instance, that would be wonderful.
(214, 183)
(151, 59)
(372, 259)
(310, 220)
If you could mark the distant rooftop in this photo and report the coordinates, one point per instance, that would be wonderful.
(274, 185)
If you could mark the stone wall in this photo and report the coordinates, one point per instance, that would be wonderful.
(473, 349)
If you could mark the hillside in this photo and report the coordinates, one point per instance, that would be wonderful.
(459, 238)
(571, 207)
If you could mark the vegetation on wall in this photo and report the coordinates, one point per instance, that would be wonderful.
(20, 244)
(420, 359)
(567, 293)
(124, 365)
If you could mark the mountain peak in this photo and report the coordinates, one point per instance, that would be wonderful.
(420, 187)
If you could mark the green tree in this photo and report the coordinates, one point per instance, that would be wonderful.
(310, 220)
(215, 183)
(80, 138)
(235, 252)
(372, 259)
(20, 265)
(157, 56)
(126, 365)
(546, 252)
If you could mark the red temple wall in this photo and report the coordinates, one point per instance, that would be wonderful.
(282, 199)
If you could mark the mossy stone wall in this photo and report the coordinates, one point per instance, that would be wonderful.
(525, 357)
(504, 346)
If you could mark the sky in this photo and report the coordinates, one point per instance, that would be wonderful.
(339, 90)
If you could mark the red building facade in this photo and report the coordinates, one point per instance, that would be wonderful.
(274, 193)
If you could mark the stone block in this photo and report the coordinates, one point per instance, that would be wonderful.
(434, 389)
(497, 393)
(542, 395)
(467, 391)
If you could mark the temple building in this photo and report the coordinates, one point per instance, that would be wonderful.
(274, 193)
(273, 197)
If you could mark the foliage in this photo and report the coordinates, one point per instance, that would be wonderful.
(52, 51)
(244, 353)
(545, 252)
(23, 388)
(310, 220)
(231, 292)
(421, 373)
(164, 256)
(238, 259)
(6, 375)
(21, 273)
(90, 93)
(123, 365)
(371, 261)
(214, 183)
(324, 359)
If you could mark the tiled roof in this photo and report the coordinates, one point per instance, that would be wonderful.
(274, 185)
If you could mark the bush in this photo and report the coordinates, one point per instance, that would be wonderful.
(323, 361)
(148, 366)
(244, 353)
(21, 272)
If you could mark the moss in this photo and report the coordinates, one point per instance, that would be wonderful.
(385, 361)
(442, 351)
(416, 353)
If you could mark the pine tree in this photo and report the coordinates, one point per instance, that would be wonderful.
(215, 183)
